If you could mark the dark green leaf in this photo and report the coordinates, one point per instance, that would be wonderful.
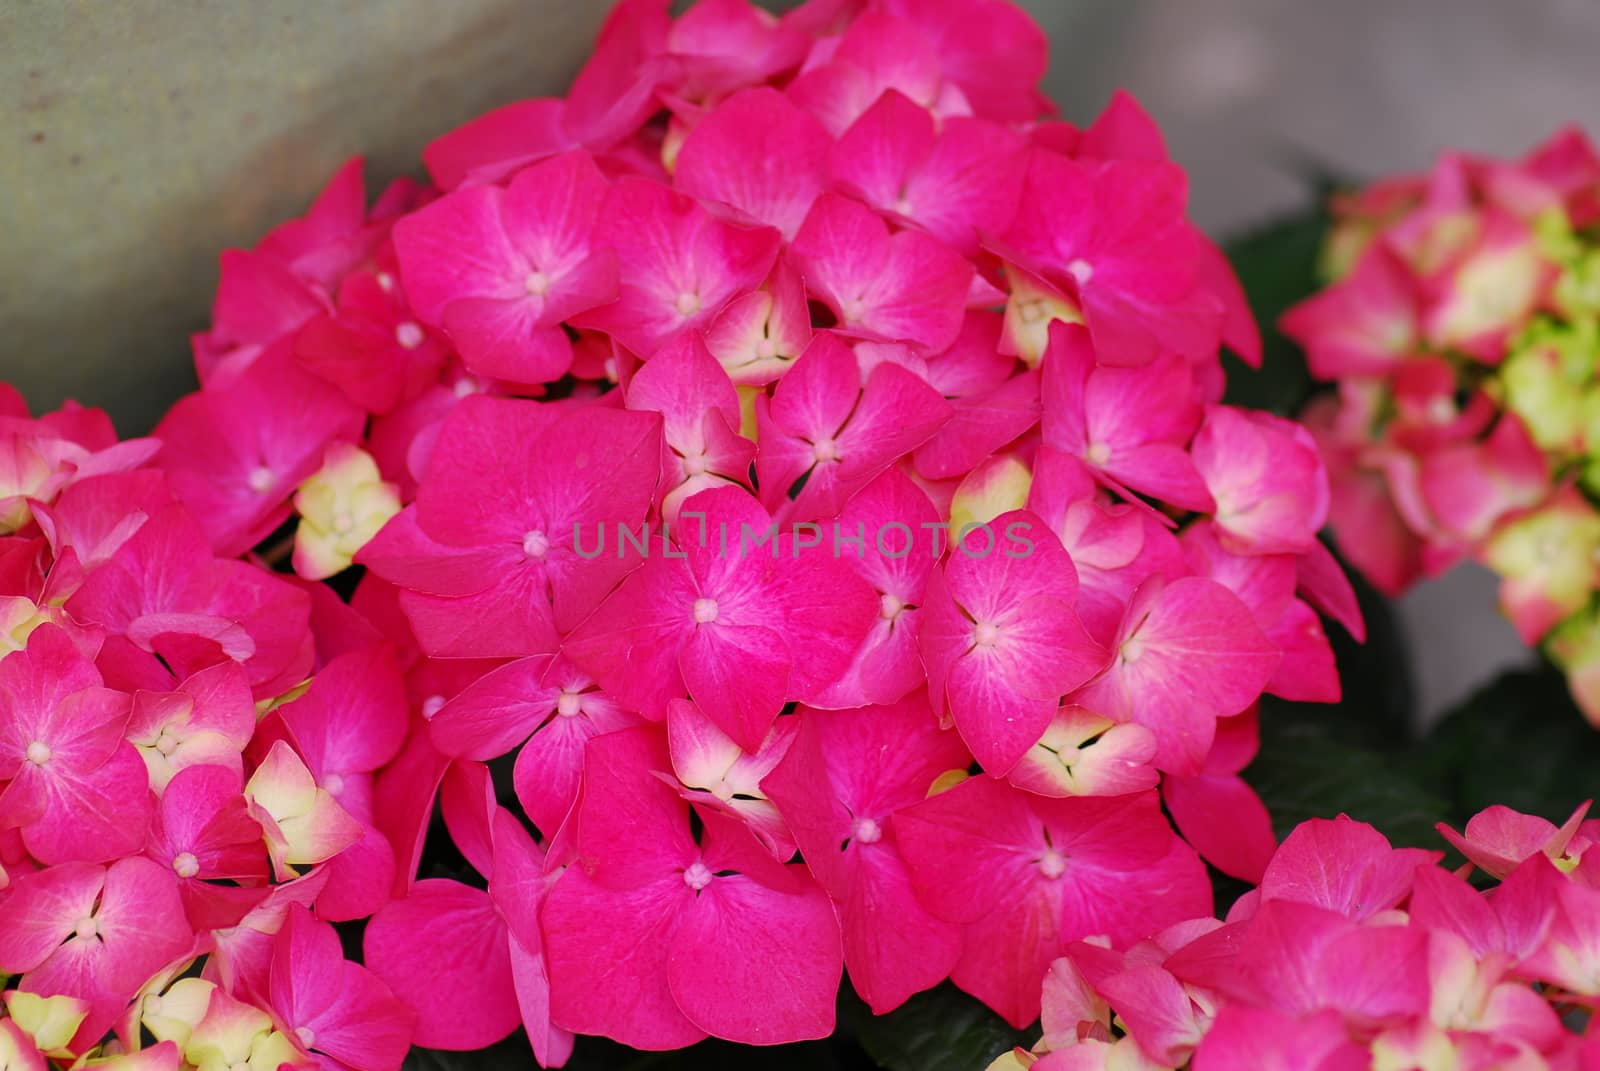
(1307, 769)
(1376, 709)
(940, 1030)
(1521, 742)
(1277, 266)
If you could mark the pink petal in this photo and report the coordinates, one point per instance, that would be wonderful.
(751, 964)
(42, 910)
(758, 153)
(1190, 652)
(445, 953)
(631, 932)
(908, 287)
(1342, 866)
(1225, 820)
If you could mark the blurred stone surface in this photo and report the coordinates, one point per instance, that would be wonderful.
(138, 138)
(142, 137)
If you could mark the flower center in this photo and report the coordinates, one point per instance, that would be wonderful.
(186, 864)
(343, 522)
(688, 303)
(866, 831)
(1081, 270)
(705, 611)
(537, 283)
(39, 752)
(166, 744)
(903, 207)
(825, 450)
(1031, 311)
(464, 387)
(766, 349)
(261, 479)
(1052, 864)
(306, 1035)
(698, 876)
(431, 706)
(87, 927)
(409, 335)
(334, 783)
(986, 634)
(385, 281)
(695, 465)
(535, 544)
(889, 606)
(723, 791)
(568, 704)
(854, 310)
(1132, 649)
(1097, 454)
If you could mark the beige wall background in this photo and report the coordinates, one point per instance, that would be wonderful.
(138, 138)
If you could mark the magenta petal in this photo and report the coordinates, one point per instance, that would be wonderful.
(1158, 1011)
(644, 617)
(758, 153)
(1343, 866)
(95, 816)
(755, 965)
(1190, 652)
(403, 796)
(630, 931)
(496, 713)
(360, 878)
(549, 769)
(892, 946)
(996, 720)
(41, 910)
(552, 1046)
(347, 1012)
(632, 826)
(508, 340)
(982, 821)
(739, 676)
(366, 1028)
(1266, 1040)
(142, 924)
(457, 248)
(444, 952)
(1307, 672)
(1000, 966)
(1225, 821)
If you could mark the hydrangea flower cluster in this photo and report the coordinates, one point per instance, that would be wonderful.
(1353, 954)
(1462, 326)
(779, 513)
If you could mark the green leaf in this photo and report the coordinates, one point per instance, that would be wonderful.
(941, 1030)
(1308, 769)
(1376, 708)
(1277, 265)
(1519, 741)
(512, 1054)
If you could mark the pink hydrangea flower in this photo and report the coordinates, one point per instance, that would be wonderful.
(500, 272)
(1042, 873)
(710, 938)
(74, 784)
(844, 778)
(736, 616)
(1001, 641)
(731, 451)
